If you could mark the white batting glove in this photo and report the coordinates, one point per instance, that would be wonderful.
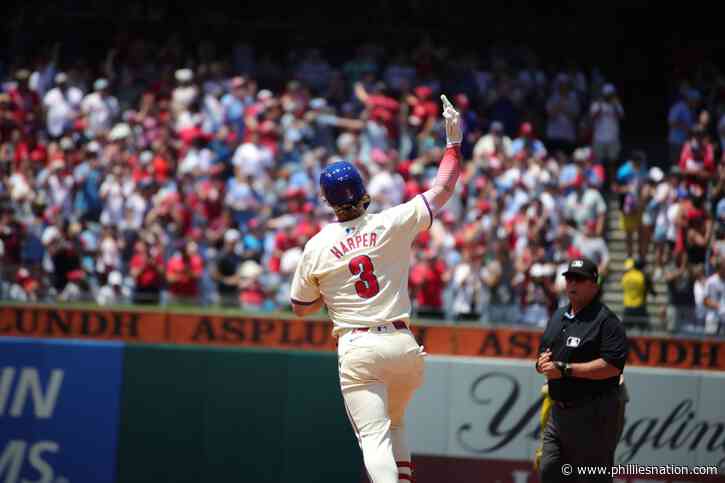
(454, 133)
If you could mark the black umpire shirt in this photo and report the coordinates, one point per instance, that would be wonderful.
(594, 332)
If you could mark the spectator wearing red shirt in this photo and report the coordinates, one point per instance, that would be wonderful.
(25, 102)
(423, 110)
(146, 271)
(427, 280)
(29, 149)
(283, 241)
(697, 159)
(183, 272)
(380, 105)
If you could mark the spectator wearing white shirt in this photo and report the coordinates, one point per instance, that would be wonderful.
(62, 104)
(593, 246)
(185, 92)
(100, 109)
(114, 191)
(606, 114)
(494, 148)
(386, 187)
(585, 204)
(714, 301)
(114, 292)
(252, 159)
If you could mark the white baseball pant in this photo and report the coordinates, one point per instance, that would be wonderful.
(380, 369)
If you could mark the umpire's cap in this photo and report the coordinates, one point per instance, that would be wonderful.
(341, 184)
(584, 268)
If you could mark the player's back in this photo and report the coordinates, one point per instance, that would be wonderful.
(360, 267)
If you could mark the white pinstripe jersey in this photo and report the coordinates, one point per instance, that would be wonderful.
(360, 267)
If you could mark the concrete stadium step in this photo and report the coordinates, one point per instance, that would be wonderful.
(613, 294)
(657, 321)
(617, 298)
(619, 257)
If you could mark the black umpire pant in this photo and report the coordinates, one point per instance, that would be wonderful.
(583, 435)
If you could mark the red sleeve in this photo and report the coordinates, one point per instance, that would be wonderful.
(709, 159)
(197, 265)
(685, 154)
(136, 261)
(173, 265)
(418, 274)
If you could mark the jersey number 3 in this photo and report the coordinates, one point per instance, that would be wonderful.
(367, 286)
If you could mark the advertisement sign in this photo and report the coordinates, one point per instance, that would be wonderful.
(59, 409)
(52, 322)
(316, 335)
(483, 415)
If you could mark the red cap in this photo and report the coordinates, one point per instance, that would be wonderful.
(527, 129)
(423, 92)
(462, 100)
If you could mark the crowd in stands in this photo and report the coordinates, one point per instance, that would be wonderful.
(152, 178)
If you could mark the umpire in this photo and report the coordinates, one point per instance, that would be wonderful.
(582, 354)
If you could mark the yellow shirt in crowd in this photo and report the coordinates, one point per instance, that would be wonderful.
(635, 288)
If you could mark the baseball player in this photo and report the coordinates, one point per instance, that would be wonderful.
(358, 267)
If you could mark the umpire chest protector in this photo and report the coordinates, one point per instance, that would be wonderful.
(594, 332)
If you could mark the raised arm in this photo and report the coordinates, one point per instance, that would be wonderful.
(450, 167)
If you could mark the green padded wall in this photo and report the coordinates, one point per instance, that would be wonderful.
(201, 415)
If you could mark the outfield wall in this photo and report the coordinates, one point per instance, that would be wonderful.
(102, 413)
(75, 411)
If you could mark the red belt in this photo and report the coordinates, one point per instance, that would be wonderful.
(398, 324)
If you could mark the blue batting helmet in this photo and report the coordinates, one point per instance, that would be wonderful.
(341, 184)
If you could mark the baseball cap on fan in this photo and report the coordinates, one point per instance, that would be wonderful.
(583, 267)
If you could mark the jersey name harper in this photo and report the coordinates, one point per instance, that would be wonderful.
(366, 240)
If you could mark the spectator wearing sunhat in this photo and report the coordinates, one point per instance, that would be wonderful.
(252, 294)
